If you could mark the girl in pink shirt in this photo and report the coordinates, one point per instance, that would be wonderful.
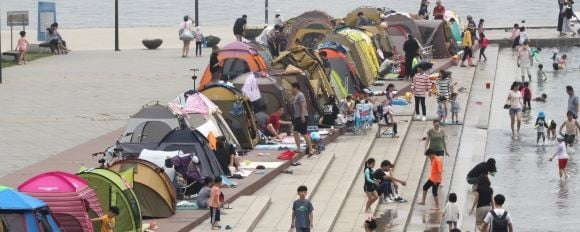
(483, 41)
(22, 47)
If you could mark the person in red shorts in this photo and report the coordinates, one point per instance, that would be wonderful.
(562, 157)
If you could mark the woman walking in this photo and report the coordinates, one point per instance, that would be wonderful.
(514, 104)
(436, 140)
(482, 200)
(185, 35)
(560, 16)
(567, 13)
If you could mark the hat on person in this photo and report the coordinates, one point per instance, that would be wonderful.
(541, 115)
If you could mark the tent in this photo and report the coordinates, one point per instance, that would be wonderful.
(236, 111)
(203, 115)
(21, 212)
(455, 27)
(309, 31)
(70, 199)
(113, 190)
(193, 142)
(237, 58)
(366, 49)
(372, 13)
(263, 51)
(156, 127)
(147, 128)
(355, 54)
(433, 32)
(397, 35)
(405, 23)
(273, 95)
(379, 37)
(294, 75)
(304, 59)
(345, 69)
(154, 189)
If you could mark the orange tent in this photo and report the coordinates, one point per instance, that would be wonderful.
(235, 59)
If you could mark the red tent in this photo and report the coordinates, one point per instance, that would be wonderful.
(69, 198)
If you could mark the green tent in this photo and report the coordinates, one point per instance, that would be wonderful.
(336, 81)
(113, 190)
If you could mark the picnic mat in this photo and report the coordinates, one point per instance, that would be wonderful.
(252, 165)
(277, 146)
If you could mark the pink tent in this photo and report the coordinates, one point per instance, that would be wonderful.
(69, 198)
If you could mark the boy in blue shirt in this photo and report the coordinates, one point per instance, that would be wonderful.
(302, 217)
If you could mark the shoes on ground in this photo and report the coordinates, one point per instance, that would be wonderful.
(424, 118)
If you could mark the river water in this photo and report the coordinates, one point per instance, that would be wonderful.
(136, 13)
(537, 199)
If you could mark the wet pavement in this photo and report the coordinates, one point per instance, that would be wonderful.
(537, 199)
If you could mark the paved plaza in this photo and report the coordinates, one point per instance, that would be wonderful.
(58, 102)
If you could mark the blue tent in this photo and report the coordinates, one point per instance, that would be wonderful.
(20, 212)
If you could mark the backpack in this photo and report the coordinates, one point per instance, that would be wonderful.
(500, 223)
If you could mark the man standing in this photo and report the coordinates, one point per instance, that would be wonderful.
(573, 101)
(410, 47)
(278, 21)
(301, 120)
(239, 27)
(438, 11)
(525, 60)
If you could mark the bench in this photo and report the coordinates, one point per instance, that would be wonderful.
(48, 45)
(15, 54)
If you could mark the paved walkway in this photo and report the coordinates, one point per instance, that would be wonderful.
(55, 103)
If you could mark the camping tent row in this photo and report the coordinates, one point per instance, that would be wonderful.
(67, 202)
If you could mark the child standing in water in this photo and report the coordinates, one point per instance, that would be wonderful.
(562, 62)
(542, 76)
(527, 94)
(552, 130)
(562, 157)
(541, 126)
(442, 109)
(454, 108)
(22, 47)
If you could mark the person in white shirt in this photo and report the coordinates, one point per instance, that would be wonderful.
(278, 20)
(266, 34)
(562, 157)
(498, 219)
(451, 212)
(523, 35)
(525, 60)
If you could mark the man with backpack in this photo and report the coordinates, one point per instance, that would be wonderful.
(497, 220)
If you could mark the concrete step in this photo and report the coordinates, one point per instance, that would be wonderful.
(422, 217)
(339, 179)
(243, 216)
(283, 188)
(473, 150)
(352, 214)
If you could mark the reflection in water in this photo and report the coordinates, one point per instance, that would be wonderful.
(525, 176)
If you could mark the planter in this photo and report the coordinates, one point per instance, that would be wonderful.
(212, 41)
(252, 32)
(152, 43)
